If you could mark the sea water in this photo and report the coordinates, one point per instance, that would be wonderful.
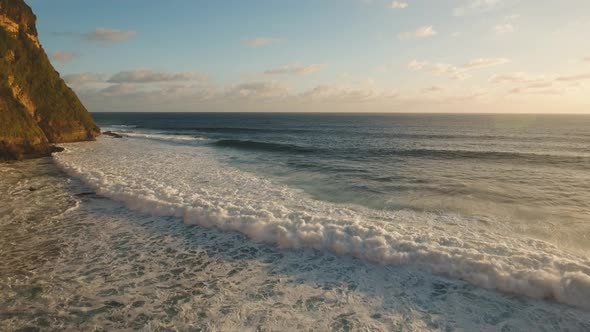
(308, 221)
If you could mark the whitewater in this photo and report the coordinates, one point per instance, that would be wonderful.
(184, 178)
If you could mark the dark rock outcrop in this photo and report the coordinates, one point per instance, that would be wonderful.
(112, 134)
(37, 108)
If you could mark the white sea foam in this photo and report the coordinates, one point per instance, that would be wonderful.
(152, 135)
(124, 126)
(190, 183)
(164, 137)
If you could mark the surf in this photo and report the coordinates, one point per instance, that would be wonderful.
(190, 183)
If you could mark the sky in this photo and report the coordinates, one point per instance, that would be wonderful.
(499, 56)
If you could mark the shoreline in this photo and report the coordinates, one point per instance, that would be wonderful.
(157, 272)
(99, 262)
(449, 245)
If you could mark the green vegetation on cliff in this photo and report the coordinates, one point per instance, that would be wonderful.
(36, 106)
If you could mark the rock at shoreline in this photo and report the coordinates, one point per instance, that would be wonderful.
(26, 151)
(112, 134)
(37, 108)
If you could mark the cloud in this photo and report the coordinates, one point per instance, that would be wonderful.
(260, 41)
(291, 69)
(523, 83)
(140, 96)
(474, 6)
(118, 90)
(106, 35)
(63, 56)
(421, 32)
(398, 5)
(586, 59)
(456, 72)
(433, 89)
(545, 88)
(251, 90)
(135, 77)
(453, 72)
(358, 92)
(573, 78)
(328, 92)
(255, 93)
(148, 76)
(81, 78)
(515, 78)
(483, 63)
(501, 29)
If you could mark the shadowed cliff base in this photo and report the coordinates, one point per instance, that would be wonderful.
(37, 108)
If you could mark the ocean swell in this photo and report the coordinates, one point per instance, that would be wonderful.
(441, 154)
(488, 155)
(190, 183)
(262, 146)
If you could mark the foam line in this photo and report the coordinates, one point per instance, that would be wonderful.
(163, 137)
(190, 183)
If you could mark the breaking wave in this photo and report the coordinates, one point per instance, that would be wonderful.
(180, 138)
(124, 126)
(189, 182)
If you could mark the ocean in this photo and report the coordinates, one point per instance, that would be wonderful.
(229, 221)
(526, 174)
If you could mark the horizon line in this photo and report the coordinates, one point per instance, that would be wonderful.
(356, 113)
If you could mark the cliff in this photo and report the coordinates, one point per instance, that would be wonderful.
(37, 108)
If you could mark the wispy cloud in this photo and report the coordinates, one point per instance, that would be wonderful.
(475, 6)
(251, 90)
(326, 93)
(523, 83)
(573, 78)
(586, 59)
(107, 35)
(544, 88)
(81, 78)
(63, 56)
(148, 76)
(118, 90)
(516, 78)
(270, 95)
(483, 63)
(398, 5)
(433, 89)
(501, 29)
(453, 71)
(421, 32)
(292, 69)
(260, 41)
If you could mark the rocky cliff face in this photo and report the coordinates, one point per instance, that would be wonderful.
(37, 108)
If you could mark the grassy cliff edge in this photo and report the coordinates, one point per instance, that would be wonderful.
(37, 108)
